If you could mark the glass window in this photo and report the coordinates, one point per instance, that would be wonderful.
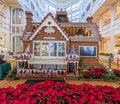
(16, 43)
(13, 43)
(94, 1)
(37, 49)
(32, 6)
(61, 49)
(45, 49)
(21, 29)
(87, 51)
(17, 16)
(53, 49)
(88, 7)
(13, 29)
(13, 17)
(17, 29)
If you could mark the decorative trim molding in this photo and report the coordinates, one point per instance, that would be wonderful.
(45, 22)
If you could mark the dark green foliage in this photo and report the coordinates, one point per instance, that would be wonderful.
(106, 54)
(10, 53)
(11, 74)
(80, 62)
(110, 76)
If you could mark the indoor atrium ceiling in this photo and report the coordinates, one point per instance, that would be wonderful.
(62, 3)
(45, 6)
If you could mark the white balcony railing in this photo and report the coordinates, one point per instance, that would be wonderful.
(111, 29)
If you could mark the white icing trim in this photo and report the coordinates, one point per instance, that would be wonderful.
(45, 23)
(49, 29)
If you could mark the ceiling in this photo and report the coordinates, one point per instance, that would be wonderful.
(61, 3)
(42, 7)
(11, 3)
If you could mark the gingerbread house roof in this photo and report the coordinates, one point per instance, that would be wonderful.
(68, 30)
(72, 28)
(48, 20)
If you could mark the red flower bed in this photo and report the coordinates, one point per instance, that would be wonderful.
(51, 92)
(94, 73)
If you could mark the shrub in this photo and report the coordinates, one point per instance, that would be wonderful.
(110, 76)
(12, 74)
(106, 54)
(80, 62)
(100, 73)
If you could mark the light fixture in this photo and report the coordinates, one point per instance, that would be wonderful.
(19, 16)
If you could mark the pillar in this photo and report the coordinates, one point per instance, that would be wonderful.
(101, 23)
(112, 43)
(113, 15)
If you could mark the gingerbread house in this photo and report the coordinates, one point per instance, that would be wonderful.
(50, 42)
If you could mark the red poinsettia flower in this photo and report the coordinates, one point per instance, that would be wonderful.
(51, 92)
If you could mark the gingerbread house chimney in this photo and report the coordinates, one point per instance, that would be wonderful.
(28, 21)
(89, 19)
(62, 16)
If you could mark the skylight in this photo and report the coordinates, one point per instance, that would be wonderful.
(45, 6)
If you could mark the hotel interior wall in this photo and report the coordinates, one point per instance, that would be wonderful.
(4, 27)
(10, 31)
(106, 14)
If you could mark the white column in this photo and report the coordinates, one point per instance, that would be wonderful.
(15, 43)
(113, 15)
(112, 43)
(101, 22)
(7, 41)
(11, 43)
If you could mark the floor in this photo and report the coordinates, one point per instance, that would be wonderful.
(5, 83)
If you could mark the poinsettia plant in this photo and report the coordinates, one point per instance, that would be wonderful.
(117, 72)
(50, 92)
(94, 73)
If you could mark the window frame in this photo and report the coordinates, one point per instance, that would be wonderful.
(92, 56)
(45, 41)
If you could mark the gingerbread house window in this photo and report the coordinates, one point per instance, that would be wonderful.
(62, 18)
(49, 48)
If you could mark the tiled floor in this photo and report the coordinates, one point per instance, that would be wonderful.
(14, 83)
(101, 83)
